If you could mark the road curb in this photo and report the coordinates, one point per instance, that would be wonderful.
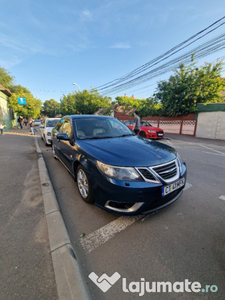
(69, 281)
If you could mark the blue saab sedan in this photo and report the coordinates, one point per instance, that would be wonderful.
(118, 171)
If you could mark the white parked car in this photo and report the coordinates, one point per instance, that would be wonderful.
(46, 128)
(37, 122)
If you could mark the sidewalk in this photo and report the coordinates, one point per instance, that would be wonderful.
(26, 270)
(25, 131)
(37, 260)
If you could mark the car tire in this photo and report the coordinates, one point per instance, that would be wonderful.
(53, 152)
(142, 134)
(83, 185)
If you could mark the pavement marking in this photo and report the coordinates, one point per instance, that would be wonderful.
(105, 233)
(222, 153)
(95, 239)
(187, 186)
(213, 153)
(222, 197)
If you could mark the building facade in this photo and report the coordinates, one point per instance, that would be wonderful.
(6, 113)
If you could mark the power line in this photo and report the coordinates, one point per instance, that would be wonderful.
(212, 46)
(133, 78)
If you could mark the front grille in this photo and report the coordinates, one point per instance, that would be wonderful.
(166, 171)
(146, 174)
(160, 133)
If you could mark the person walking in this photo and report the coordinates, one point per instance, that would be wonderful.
(32, 129)
(137, 122)
(20, 121)
(1, 128)
(25, 121)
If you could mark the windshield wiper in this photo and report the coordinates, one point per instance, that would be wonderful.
(125, 135)
(99, 137)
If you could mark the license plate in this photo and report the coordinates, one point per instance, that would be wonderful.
(172, 187)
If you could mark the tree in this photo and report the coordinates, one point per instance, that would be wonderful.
(190, 85)
(50, 108)
(149, 108)
(145, 107)
(89, 102)
(130, 101)
(67, 105)
(33, 107)
(5, 78)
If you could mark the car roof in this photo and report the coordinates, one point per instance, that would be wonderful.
(87, 116)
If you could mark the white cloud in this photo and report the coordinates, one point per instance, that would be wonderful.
(86, 15)
(121, 46)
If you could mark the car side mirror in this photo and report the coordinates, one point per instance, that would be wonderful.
(63, 137)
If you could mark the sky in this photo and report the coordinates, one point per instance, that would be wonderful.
(48, 45)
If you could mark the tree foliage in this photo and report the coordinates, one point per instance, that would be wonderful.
(5, 78)
(67, 105)
(50, 108)
(145, 107)
(83, 102)
(90, 102)
(33, 107)
(188, 86)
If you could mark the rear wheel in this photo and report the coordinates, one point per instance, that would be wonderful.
(84, 186)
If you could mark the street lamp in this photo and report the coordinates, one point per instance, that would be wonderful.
(74, 83)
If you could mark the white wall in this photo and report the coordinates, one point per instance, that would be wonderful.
(211, 125)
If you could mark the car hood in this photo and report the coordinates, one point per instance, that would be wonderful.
(145, 128)
(128, 151)
(48, 129)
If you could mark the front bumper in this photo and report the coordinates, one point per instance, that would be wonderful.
(155, 135)
(132, 198)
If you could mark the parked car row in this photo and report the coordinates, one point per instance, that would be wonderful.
(118, 171)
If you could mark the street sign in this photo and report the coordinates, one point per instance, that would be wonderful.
(22, 101)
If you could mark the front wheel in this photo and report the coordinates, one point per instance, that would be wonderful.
(142, 134)
(84, 186)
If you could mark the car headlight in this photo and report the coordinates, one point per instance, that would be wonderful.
(151, 131)
(179, 160)
(120, 173)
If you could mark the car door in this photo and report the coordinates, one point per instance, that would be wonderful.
(66, 147)
(42, 128)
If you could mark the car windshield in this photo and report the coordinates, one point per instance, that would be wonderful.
(51, 123)
(146, 124)
(100, 128)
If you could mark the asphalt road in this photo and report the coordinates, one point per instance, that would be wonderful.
(181, 244)
(26, 270)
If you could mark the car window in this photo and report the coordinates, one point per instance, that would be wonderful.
(59, 125)
(93, 128)
(51, 123)
(66, 128)
(146, 124)
(128, 123)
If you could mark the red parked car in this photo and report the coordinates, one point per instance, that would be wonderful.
(147, 130)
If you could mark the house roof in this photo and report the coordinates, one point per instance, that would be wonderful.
(5, 91)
